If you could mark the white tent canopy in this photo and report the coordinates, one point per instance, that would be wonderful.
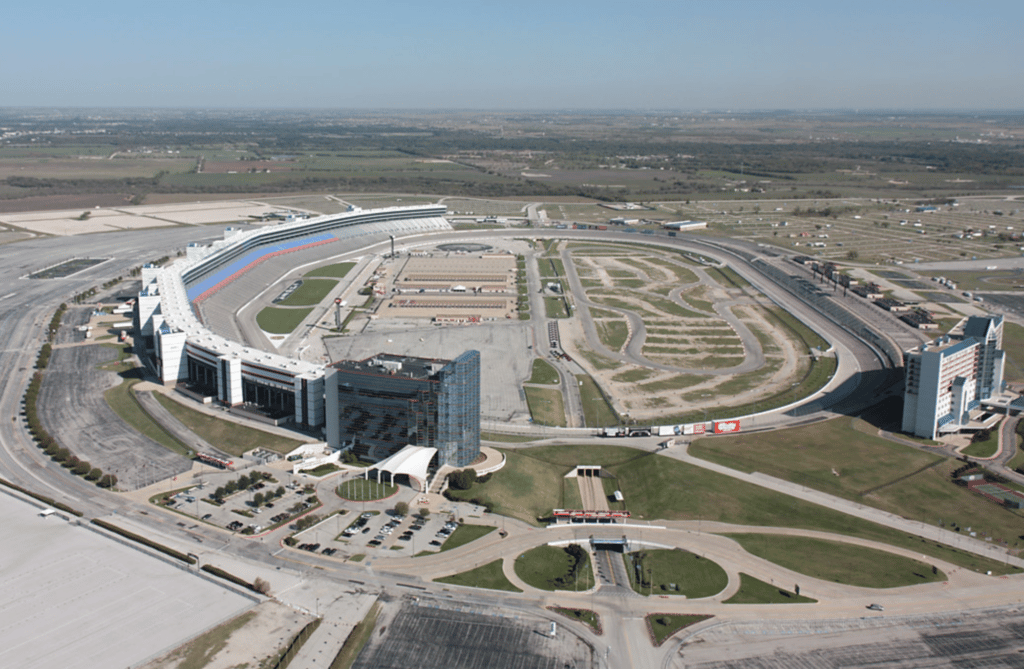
(412, 461)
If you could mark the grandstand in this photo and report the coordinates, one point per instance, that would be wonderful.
(210, 359)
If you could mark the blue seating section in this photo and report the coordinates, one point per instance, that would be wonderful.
(242, 263)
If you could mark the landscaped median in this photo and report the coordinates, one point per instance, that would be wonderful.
(556, 568)
(663, 625)
(489, 576)
(754, 591)
(674, 572)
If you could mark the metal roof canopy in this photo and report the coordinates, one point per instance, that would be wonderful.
(413, 461)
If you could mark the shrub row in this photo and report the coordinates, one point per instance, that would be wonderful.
(51, 333)
(42, 498)
(177, 555)
(258, 586)
(47, 442)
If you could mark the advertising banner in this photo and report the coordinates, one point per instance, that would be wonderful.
(697, 428)
(726, 426)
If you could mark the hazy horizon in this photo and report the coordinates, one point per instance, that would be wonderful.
(739, 56)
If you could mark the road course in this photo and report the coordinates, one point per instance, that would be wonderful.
(25, 310)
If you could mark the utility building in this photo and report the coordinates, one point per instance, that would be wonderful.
(384, 403)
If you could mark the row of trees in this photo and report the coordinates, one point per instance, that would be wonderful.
(47, 442)
(243, 482)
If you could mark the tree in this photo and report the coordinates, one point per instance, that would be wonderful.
(462, 479)
(852, 254)
(401, 508)
(261, 586)
(424, 512)
(107, 481)
(257, 500)
(279, 492)
(81, 468)
(94, 474)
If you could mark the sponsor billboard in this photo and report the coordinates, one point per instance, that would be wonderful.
(726, 426)
(676, 430)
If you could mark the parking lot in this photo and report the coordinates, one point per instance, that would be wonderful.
(279, 498)
(361, 532)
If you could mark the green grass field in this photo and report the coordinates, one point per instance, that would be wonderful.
(830, 456)
(871, 471)
(664, 625)
(754, 591)
(544, 373)
(548, 568)
(984, 448)
(122, 400)
(596, 410)
(336, 271)
(585, 616)
(839, 562)
(309, 293)
(554, 307)
(280, 321)
(524, 488)
(530, 485)
(489, 576)
(1013, 344)
(546, 405)
(654, 572)
(228, 436)
(465, 534)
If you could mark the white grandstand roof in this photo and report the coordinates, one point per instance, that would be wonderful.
(177, 310)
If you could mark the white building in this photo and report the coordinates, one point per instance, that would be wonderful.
(949, 378)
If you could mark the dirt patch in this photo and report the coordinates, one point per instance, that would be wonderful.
(270, 627)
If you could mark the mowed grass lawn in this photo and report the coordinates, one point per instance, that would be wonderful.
(546, 406)
(596, 410)
(839, 562)
(655, 486)
(829, 456)
(337, 271)
(464, 534)
(870, 470)
(548, 568)
(544, 373)
(694, 577)
(227, 436)
(280, 321)
(309, 293)
(524, 488)
(489, 576)
(755, 591)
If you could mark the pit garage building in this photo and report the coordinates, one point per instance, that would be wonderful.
(184, 351)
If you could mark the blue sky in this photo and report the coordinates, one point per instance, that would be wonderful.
(726, 54)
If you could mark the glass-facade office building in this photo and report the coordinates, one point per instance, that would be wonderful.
(387, 402)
